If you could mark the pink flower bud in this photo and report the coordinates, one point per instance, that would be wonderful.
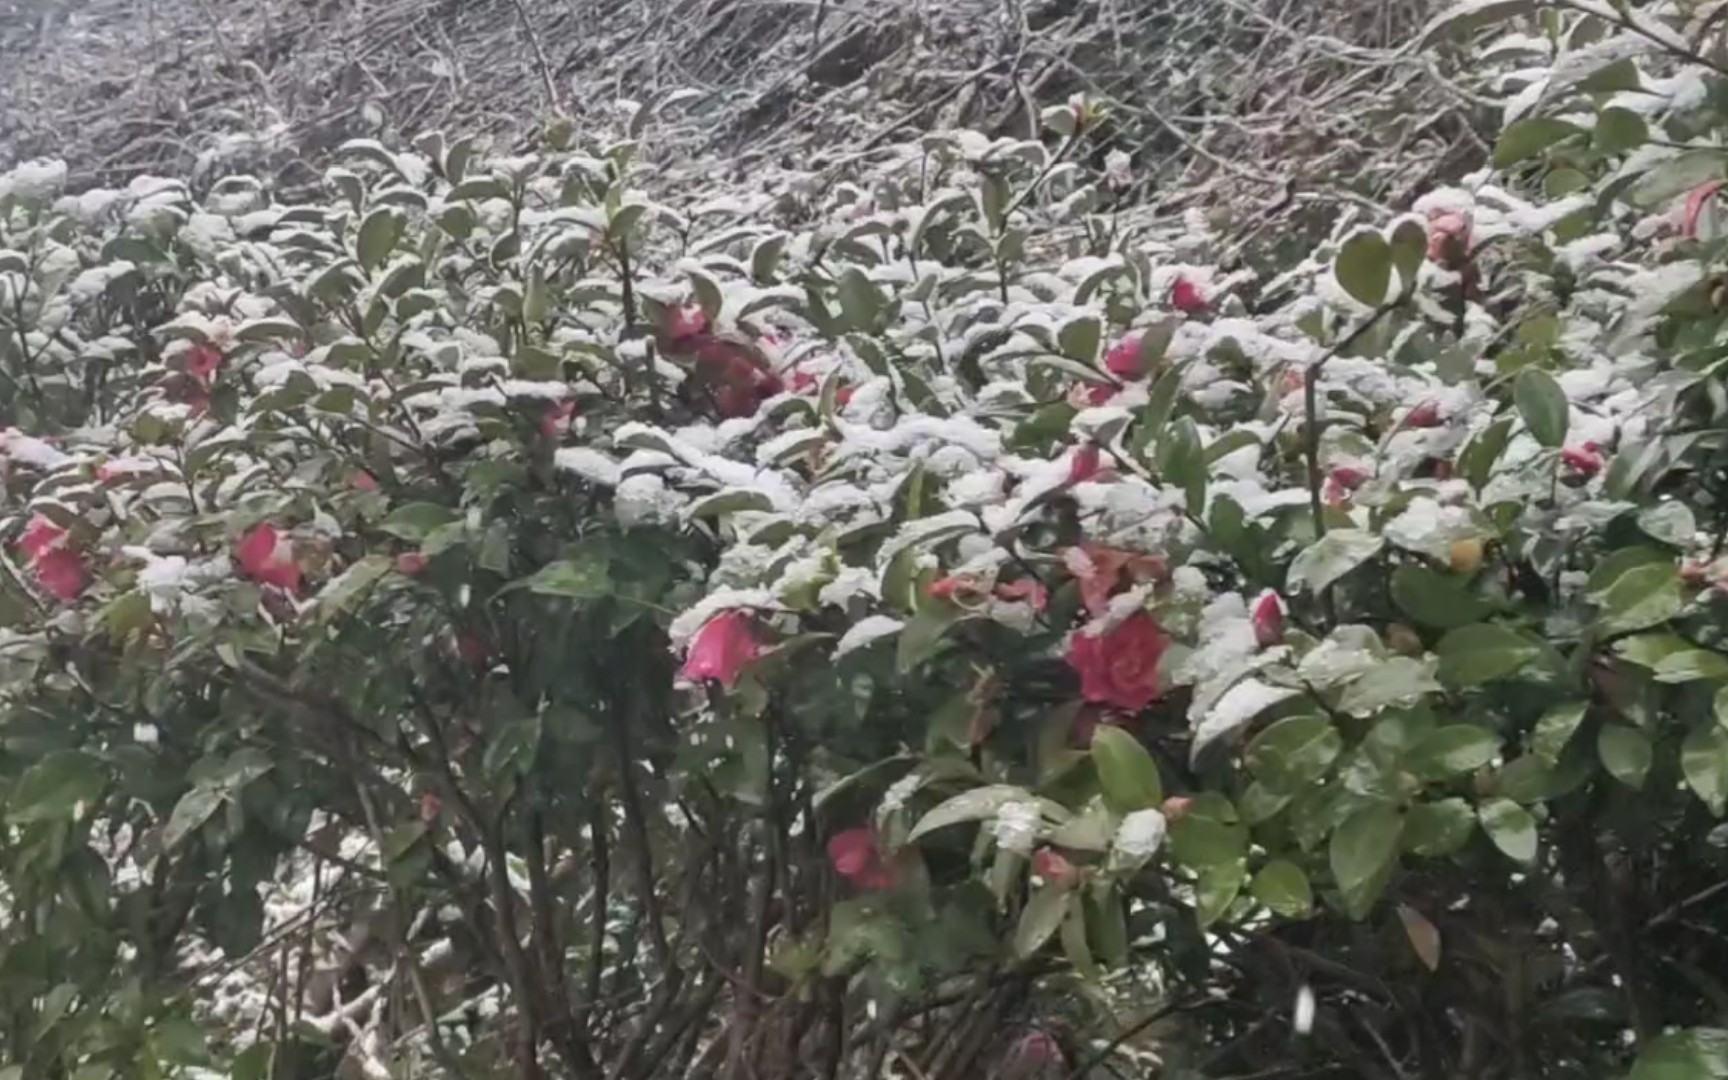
(1268, 619)
(1186, 297)
(411, 564)
(1585, 460)
(1424, 415)
(1049, 864)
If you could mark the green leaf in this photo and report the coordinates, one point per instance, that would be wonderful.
(974, 805)
(923, 637)
(412, 521)
(1511, 828)
(352, 583)
(1217, 888)
(1694, 1054)
(194, 809)
(1670, 522)
(587, 575)
(1363, 853)
(1409, 244)
(1437, 829)
(1283, 887)
(1625, 752)
(53, 787)
(1126, 771)
(1044, 911)
(1473, 655)
(1704, 760)
(1364, 266)
(1331, 557)
(1619, 130)
(1434, 599)
(1617, 563)
(1555, 729)
(1529, 137)
(1452, 750)
(1395, 680)
(1467, 16)
(1676, 176)
(378, 235)
(1294, 752)
(1543, 406)
(1080, 338)
(1182, 461)
(1691, 665)
(1643, 596)
(1476, 460)
(1208, 834)
(861, 302)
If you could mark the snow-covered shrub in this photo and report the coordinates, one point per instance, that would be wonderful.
(492, 620)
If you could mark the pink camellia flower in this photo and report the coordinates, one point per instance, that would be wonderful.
(1348, 477)
(1084, 465)
(1584, 460)
(1176, 807)
(58, 566)
(1696, 200)
(1099, 570)
(40, 537)
(857, 856)
(1268, 620)
(411, 564)
(1030, 590)
(1120, 666)
(556, 420)
(1424, 415)
(955, 587)
(1037, 1054)
(1186, 297)
(1123, 358)
(685, 322)
(62, 574)
(267, 557)
(722, 647)
(1049, 864)
(363, 481)
(1449, 238)
(202, 362)
(804, 383)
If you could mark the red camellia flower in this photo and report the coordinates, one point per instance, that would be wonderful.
(857, 856)
(722, 647)
(202, 362)
(955, 587)
(1696, 200)
(1449, 238)
(411, 564)
(363, 481)
(1186, 297)
(58, 566)
(1123, 358)
(1049, 864)
(267, 557)
(1084, 465)
(1120, 667)
(556, 420)
(1268, 620)
(1424, 415)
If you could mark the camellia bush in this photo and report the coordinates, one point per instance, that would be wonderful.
(925, 619)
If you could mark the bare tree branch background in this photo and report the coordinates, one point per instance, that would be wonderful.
(1228, 102)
